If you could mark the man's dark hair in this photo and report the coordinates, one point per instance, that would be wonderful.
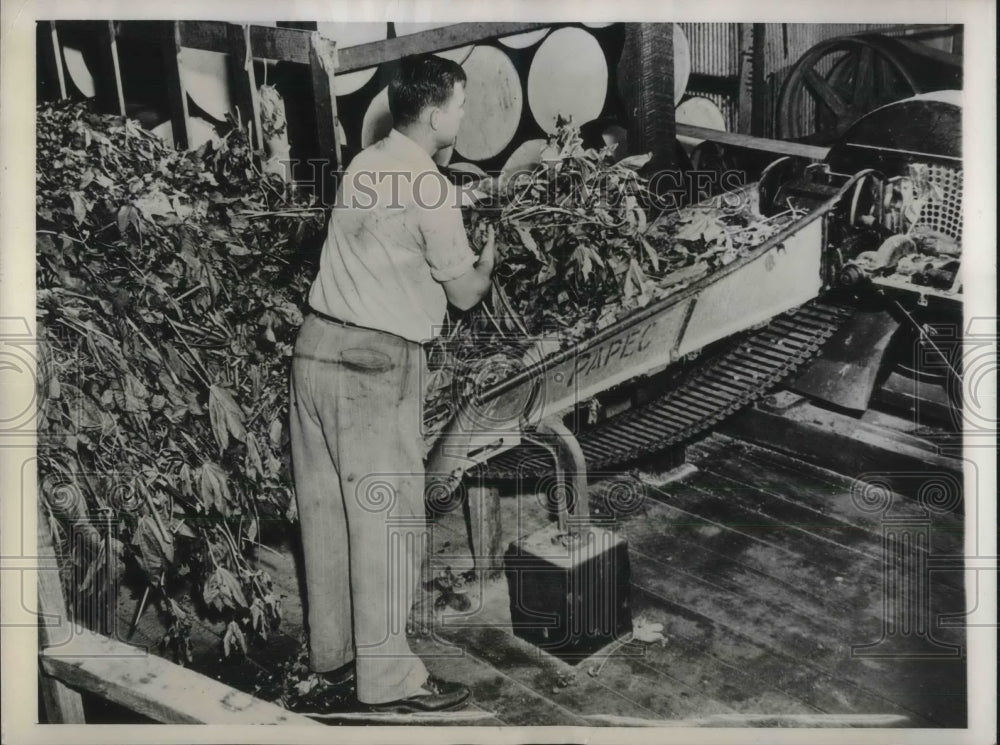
(422, 80)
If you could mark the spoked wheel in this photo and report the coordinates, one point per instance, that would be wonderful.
(837, 82)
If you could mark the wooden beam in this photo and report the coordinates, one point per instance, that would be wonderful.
(52, 56)
(155, 687)
(62, 704)
(646, 84)
(322, 64)
(843, 444)
(109, 96)
(757, 93)
(745, 95)
(170, 40)
(436, 40)
(752, 93)
(282, 44)
(240, 61)
(779, 147)
(292, 45)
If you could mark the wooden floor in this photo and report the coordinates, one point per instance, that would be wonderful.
(763, 571)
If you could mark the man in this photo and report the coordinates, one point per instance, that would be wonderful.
(396, 252)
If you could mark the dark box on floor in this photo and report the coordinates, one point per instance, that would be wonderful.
(570, 597)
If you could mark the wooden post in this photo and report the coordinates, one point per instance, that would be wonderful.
(176, 95)
(751, 96)
(482, 510)
(322, 64)
(50, 54)
(745, 96)
(109, 87)
(247, 101)
(62, 704)
(757, 93)
(646, 84)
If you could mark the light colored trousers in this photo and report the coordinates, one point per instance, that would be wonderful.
(357, 460)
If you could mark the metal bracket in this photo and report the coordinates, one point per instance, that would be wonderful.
(570, 471)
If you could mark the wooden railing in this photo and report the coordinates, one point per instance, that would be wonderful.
(74, 660)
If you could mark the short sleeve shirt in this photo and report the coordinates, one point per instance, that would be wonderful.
(395, 235)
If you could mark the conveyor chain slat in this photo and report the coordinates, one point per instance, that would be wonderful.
(710, 392)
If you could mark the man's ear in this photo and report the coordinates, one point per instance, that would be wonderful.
(432, 117)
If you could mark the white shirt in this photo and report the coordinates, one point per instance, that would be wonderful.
(395, 235)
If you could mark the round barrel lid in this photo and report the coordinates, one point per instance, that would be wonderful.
(524, 159)
(206, 81)
(698, 112)
(525, 40)
(378, 120)
(568, 77)
(79, 73)
(200, 131)
(682, 62)
(492, 105)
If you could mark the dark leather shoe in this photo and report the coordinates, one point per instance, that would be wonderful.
(441, 695)
(342, 676)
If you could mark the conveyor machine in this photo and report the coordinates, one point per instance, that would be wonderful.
(881, 214)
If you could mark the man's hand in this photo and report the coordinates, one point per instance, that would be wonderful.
(488, 256)
(467, 290)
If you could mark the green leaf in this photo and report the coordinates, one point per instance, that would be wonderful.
(254, 465)
(231, 592)
(155, 549)
(154, 204)
(214, 488)
(274, 433)
(79, 207)
(581, 255)
(127, 215)
(226, 416)
(136, 394)
(528, 241)
(654, 257)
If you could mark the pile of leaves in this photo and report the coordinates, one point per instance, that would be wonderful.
(576, 252)
(169, 286)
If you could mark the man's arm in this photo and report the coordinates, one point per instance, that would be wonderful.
(465, 291)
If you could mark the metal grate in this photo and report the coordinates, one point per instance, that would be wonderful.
(945, 215)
